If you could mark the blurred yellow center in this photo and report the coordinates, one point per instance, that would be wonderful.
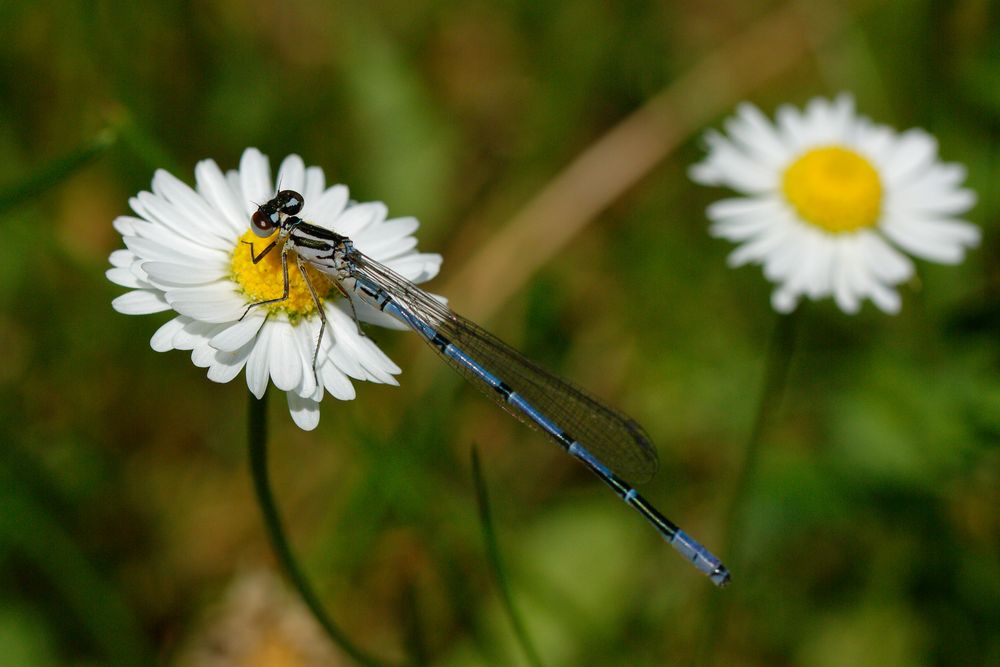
(834, 188)
(264, 280)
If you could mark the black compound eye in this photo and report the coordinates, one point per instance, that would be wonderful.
(289, 202)
(262, 223)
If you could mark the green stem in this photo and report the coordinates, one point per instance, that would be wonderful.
(493, 553)
(257, 441)
(780, 349)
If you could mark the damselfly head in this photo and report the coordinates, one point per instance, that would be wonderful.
(264, 221)
(268, 216)
(288, 202)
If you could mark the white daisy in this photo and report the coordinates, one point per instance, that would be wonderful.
(184, 253)
(831, 201)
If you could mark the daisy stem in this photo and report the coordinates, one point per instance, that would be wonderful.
(257, 442)
(493, 553)
(780, 349)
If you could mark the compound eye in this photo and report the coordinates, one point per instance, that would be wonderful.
(290, 201)
(262, 223)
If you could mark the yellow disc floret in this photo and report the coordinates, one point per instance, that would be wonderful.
(834, 188)
(263, 280)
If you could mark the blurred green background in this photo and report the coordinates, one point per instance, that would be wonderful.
(869, 533)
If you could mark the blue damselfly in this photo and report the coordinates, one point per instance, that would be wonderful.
(609, 443)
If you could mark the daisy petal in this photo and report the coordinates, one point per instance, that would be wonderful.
(258, 363)
(239, 333)
(163, 339)
(314, 184)
(291, 174)
(255, 180)
(284, 360)
(304, 411)
(125, 278)
(169, 274)
(352, 221)
(213, 186)
(215, 302)
(325, 210)
(140, 302)
(227, 365)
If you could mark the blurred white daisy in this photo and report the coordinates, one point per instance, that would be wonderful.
(184, 253)
(831, 200)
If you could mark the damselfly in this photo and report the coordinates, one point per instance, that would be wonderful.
(609, 443)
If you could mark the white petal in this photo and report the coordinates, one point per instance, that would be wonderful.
(744, 218)
(800, 256)
(162, 340)
(357, 217)
(227, 365)
(784, 300)
(193, 334)
(291, 174)
(121, 258)
(340, 352)
(885, 298)
(354, 354)
(195, 209)
(939, 241)
(387, 233)
(304, 411)
(124, 225)
(255, 180)
(846, 283)
(370, 314)
(791, 127)
(914, 151)
(758, 249)
(283, 357)
(336, 382)
(171, 274)
(203, 356)
(378, 363)
(929, 200)
(876, 142)
(305, 341)
(155, 242)
(820, 283)
(389, 249)
(416, 267)
(125, 278)
(755, 133)
(728, 165)
(885, 262)
(325, 210)
(213, 186)
(239, 333)
(315, 183)
(163, 213)
(140, 302)
(217, 302)
(257, 362)
(744, 206)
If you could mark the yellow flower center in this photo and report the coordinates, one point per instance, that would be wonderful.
(264, 280)
(834, 188)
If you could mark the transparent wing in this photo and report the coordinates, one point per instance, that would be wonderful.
(615, 438)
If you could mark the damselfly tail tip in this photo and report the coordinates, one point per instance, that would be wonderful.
(720, 576)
